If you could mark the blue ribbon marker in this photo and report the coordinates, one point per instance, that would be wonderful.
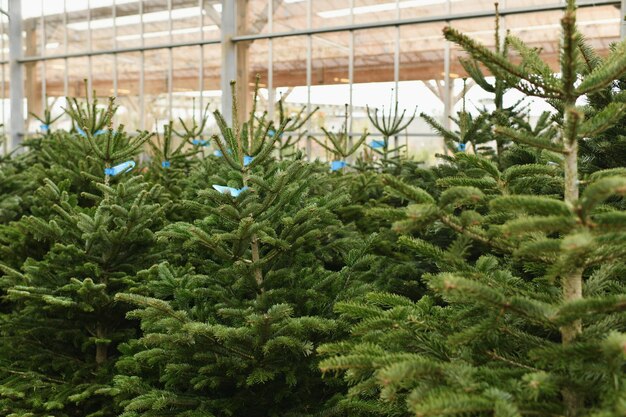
(247, 160)
(44, 128)
(337, 165)
(234, 192)
(271, 134)
(219, 153)
(377, 144)
(118, 169)
(461, 147)
(166, 164)
(200, 142)
(96, 133)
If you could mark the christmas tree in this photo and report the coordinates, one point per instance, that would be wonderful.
(231, 320)
(605, 149)
(61, 327)
(531, 323)
(389, 126)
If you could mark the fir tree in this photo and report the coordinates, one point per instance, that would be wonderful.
(59, 157)
(473, 131)
(341, 145)
(389, 126)
(46, 120)
(230, 323)
(193, 132)
(292, 133)
(501, 115)
(60, 334)
(171, 163)
(533, 324)
(604, 149)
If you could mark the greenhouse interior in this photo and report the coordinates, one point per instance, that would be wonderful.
(313, 208)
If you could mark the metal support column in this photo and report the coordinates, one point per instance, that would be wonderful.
(114, 13)
(229, 55)
(89, 92)
(142, 73)
(241, 50)
(234, 58)
(66, 77)
(15, 73)
(448, 87)
(3, 91)
(623, 20)
(309, 59)
(44, 100)
(170, 64)
(350, 120)
(201, 63)
(396, 70)
(271, 92)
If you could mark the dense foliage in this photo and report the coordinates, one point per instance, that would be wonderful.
(226, 275)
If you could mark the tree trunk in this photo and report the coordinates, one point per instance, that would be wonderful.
(571, 282)
(107, 177)
(101, 348)
(258, 274)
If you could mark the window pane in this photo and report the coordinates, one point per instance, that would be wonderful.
(256, 17)
(290, 16)
(185, 83)
(211, 89)
(129, 112)
(330, 13)
(55, 93)
(155, 88)
(290, 77)
(366, 11)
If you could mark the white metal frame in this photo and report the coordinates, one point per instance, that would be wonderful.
(16, 74)
(229, 39)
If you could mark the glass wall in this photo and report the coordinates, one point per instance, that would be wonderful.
(132, 49)
(4, 79)
(163, 58)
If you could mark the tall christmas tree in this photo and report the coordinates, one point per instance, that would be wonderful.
(605, 149)
(61, 327)
(390, 126)
(533, 322)
(231, 321)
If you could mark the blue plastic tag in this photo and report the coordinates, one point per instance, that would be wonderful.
(200, 142)
(247, 160)
(337, 165)
(96, 133)
(234, 192)
(118, 169)
(271, 133)
(461, 147)
(44, 128)
(219, 153)
(376, 144)
(166, 164)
